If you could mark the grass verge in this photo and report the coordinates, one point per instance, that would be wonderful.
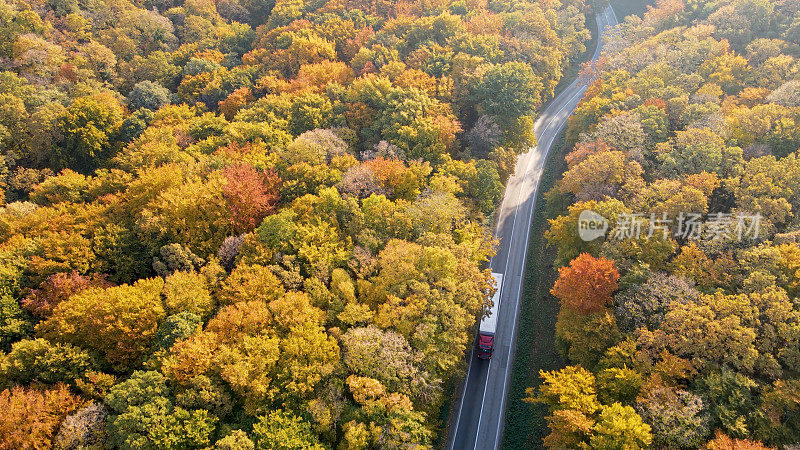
(536, 348)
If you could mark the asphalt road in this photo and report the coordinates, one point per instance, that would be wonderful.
(479, 415)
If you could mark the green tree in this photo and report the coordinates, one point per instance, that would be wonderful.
(697, 150)
(308, 112)
(90, 125)
(584, 338)
(508, 91)
(731, 400)
(143, 416)
(37, 360)
(149, 95)
(176, 258)
(15, 324)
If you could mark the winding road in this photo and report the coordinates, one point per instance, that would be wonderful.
(477, 422)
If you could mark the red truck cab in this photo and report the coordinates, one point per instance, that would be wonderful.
(485, 346)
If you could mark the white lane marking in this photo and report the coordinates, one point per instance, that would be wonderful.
(463, 394)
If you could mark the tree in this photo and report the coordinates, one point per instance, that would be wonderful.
(236, 440)
(644, 305)
(618, 385)
(57, 288)
(250, 283)
(251, 195)
(40, 361)
(383, 355)
(318, 146)
(187, 292)
(422, 127)
(571, 397)
(143, 416)
(584, 338)
(623, 132)
(229, 250)
(483, 137)
(679, 419)
(723, 442)
(234, 102)
(486, 188)
(175, 328)
(193, 214)
(401, 179)
(687, 332)
(508, 91)
(31, 416)
(118, 322)
(587, 284)
(600, 176)
(309, 356)
(731, 401)
(134, 125)
(309, 112)
(280, 430)
(90, 125)
(15, 323)
(67, 186)
(699, 150)
(176, 258)
(788, 94)
(360, 182)
(83, 428)
(777, 419)
(149, 95)
(562, 232)
(619, 427)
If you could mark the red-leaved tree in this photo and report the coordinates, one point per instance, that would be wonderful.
(587, 284)
(59, 287)
(251, 195)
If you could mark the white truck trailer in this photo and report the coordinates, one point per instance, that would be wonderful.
(488, 325)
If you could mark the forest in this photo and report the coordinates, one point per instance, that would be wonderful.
(682, 340)
(258, 224)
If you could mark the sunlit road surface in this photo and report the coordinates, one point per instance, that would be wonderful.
(479, 415)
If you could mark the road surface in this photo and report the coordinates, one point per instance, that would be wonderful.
(479, 415)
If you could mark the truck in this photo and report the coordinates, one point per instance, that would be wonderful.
(488, 326)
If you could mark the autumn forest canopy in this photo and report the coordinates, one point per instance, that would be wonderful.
(676, 342)
(253, 223)
(258, 224)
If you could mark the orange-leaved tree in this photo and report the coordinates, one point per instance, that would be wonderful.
(587, 284)
(251, 195)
